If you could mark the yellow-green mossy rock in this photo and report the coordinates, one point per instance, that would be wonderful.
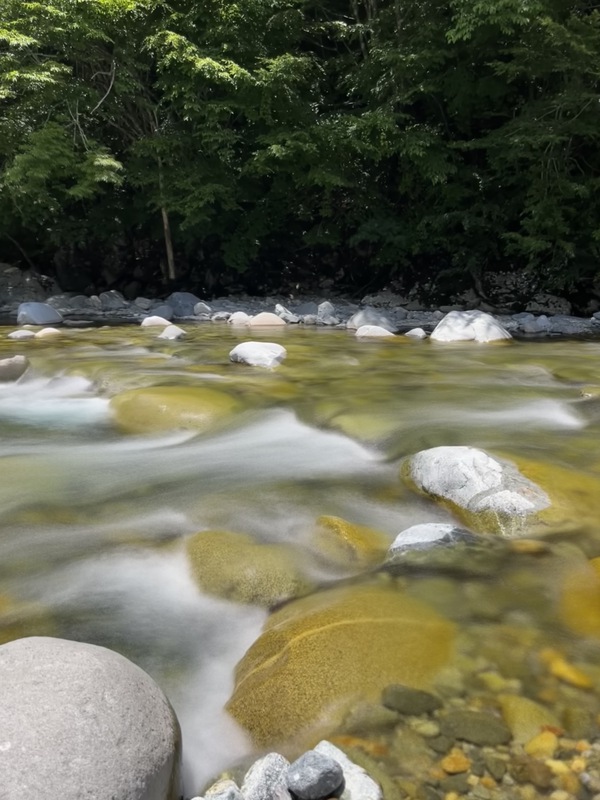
(346, 544)
(525, 717)
(574, 494)
(235, 567)
(160, 408)
(322, 653)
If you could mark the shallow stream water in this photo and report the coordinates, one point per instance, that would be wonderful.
(92, 520)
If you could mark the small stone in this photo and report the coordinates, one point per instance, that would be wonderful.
(47, 333)
(529, 770)
(411, 702)
(476, 727)
(440, 744)
(224, 789)
(426, 728)
(314, 776)
(21, 336)
(564, 671)
(358, 785)
(267, 779)
(495, 765)
(525, 717)
(543, 745)
(455, 762)
(455, 783)
(416, 333)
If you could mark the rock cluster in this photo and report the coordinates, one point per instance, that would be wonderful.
(370, 319)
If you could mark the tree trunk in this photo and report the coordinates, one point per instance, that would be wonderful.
(171, 272)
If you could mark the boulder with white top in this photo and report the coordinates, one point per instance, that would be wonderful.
(469, 326)
(485, 493)
(373, 332)
(172, 332)
(266, 319)
(80, 720)
(154, 321)
(258, 354)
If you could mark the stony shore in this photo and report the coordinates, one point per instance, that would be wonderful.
(383, 309)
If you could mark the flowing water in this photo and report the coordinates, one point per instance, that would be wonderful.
(92, 520)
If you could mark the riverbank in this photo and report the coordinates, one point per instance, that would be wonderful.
(384, 310)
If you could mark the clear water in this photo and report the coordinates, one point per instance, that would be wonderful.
(92, 520)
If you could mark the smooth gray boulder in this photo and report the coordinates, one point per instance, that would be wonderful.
(11, 369)
(369, 316)
(37, 314)
(77, 720)
(183, 303)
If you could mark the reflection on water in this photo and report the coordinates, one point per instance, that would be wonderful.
(92, 521)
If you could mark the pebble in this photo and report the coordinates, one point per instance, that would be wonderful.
(314, 776)
(409, 701)
(475, 726)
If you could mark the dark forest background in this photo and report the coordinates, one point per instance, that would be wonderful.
(255, 145)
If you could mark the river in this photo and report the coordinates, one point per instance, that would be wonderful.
(92, 518)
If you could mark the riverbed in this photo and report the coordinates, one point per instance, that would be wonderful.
(93, 519)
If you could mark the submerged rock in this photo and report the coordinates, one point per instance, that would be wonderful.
(373, 332)
(79, 719)
(11, 369)
(319, 654)
(160, 408)
(234, 566)
(487, 494)
(463, 326)
(346, 544)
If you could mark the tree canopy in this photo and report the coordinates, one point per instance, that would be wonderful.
(242, 143)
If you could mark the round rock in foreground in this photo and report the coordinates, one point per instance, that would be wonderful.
(78, 720)
(258, 354)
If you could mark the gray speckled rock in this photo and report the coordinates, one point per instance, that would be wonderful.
(78, 721)
(267, 779)
(37, 314)
(314, 776)
(326, 314)
(11, 369)
(183, 303)
(358, 785)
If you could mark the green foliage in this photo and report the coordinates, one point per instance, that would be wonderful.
(409, 141)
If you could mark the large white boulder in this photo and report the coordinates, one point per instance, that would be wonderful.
(484, 492)
(465, 326)
(258, 354)
(78, 721)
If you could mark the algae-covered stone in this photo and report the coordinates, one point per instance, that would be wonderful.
(234, 566)
(159, 408)
(485, 493)
(477, 727)
(346, 544)
(525, 717)
(320, 654)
